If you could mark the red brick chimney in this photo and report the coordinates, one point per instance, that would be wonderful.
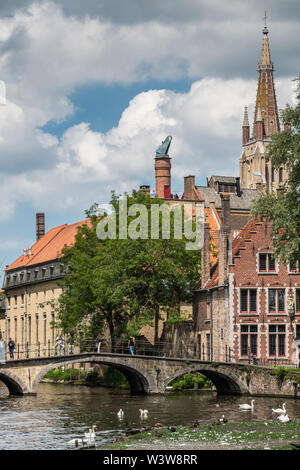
(189, 183)
(224, 239)
(163, 177)
(40, 225)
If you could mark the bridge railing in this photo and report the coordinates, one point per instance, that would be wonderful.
(116, 345)
(142, 347)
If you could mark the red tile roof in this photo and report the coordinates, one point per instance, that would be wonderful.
(49, 246)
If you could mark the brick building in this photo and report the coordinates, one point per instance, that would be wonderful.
(247, 304)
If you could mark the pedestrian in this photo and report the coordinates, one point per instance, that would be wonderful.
(71, 344)
(60, 344)
(2, 350)
(11, 347)
(131, 344)
(98, 342)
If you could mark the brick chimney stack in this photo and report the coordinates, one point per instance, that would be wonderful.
(189, 183)
(40, 225)
(163, 177)
(225, 202)
(224, 240)
(205, 259)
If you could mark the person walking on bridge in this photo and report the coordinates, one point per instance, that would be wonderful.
(60, 344)
(131, 344)
(11, 348)
(2, 350)
(98, 342)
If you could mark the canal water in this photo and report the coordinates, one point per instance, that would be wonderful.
(59, 413)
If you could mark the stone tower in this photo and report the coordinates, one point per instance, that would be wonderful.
(255, 168)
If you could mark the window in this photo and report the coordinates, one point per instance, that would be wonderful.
(248, 300)
(276, 340)
(273, 174)
(45, 328)
(266, 263)
(248, 340)
(29, 329)
(294, 267)
(208, 347)
(298, 300)
(280, 175)
(276, 300)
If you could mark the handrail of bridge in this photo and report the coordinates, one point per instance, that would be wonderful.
(142, 347)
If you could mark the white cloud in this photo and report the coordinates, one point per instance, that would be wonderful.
(205, 124)
(45, 55)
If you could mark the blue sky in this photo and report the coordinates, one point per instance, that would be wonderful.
(93, 87)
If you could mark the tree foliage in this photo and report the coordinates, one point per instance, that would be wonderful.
(282, 209)
(122, 284)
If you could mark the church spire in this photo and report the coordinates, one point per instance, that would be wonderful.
(266, 97)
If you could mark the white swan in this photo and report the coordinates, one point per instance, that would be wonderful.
(91, 435)
(283, 418)
(143, 413)
(245, 406)
(223, 419)
(82, 443)
(280, 410)
(120, 414)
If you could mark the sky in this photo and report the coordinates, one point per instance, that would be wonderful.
(93, 87)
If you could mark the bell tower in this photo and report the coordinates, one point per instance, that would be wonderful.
(255, 168)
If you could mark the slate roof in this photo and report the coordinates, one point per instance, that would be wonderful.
(244, 202)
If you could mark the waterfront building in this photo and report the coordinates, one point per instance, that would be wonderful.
(31, 289)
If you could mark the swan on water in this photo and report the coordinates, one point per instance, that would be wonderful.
(143, 413)
(245, 406)
(91, 434)
(284, 418)
(223, 419)
(280, 410)
(81, 443)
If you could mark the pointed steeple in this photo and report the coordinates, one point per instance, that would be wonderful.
(246, 120)
(266, 97)
(246, 127)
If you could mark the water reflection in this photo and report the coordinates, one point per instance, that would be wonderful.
(60, 413)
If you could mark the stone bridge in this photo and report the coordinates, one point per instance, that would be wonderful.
(151, 374)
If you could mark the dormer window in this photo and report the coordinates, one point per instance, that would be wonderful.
(266, 263)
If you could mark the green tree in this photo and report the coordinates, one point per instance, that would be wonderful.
(123, 283)
(282, 209)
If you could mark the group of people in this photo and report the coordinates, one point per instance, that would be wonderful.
(60, 344)
(11, 348)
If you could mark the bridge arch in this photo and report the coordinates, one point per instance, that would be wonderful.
(140, 381)
(15, 384)
(225, 382)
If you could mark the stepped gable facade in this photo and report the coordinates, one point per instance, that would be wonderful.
(247, 304)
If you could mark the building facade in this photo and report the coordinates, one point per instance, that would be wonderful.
(247, 305)
(32, 291)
